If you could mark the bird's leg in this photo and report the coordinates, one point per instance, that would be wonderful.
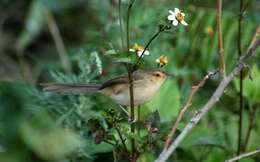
(127, 113)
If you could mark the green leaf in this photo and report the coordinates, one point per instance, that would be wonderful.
(202, 136)
(166, 101)
(216, 156)
(208, 140)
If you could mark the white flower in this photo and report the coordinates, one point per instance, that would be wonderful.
(139, 50)
(176, 17)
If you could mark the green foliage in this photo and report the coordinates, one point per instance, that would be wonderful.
(47, 142)
(39, 135)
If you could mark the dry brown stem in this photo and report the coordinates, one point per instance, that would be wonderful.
(220, 40)
(255, 36)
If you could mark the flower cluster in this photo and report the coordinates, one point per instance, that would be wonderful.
(175, 17)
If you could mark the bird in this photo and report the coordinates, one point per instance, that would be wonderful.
(146, 82)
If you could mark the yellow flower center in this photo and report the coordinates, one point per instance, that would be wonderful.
(163, 60)
(180, 17)
(138, 48)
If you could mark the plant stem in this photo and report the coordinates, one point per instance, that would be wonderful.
(256, 35)
(132, 116)
(131, 87)
(147, 45)
(220, 40)
(240, 79)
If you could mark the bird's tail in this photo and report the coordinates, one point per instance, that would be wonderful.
(70, 88)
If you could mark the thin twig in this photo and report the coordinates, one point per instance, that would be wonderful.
(58, 40)
(161, 29)
(132, 114)
(243, 155)
(251, 126)
(121, 26)
(187, 105)
(212, 101)
(241, 107)
(220, 40)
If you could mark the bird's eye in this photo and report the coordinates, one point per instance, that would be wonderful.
(158, 75)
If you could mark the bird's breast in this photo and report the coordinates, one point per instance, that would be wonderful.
(143, 92)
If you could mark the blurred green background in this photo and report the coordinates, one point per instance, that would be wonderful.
(38, 126)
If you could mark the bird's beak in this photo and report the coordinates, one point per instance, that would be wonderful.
(170, 75)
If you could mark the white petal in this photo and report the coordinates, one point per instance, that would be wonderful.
(176, 10)
(175, 22)
(146, 52)
(131, 50)
(183, 14)
(184, 23)
(171, 17)
(157, 60)
(171, 12)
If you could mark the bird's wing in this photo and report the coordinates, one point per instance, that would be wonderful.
(117, 80)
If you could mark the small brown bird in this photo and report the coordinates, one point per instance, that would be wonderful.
(146, 83)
